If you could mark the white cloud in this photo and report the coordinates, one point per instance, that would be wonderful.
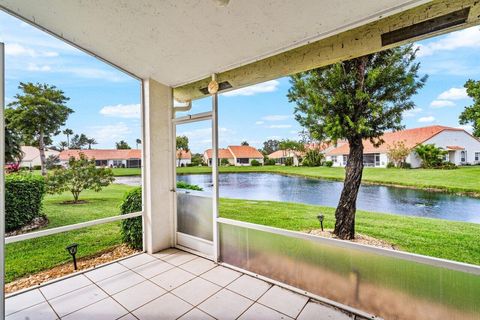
(276, 117)
(441, 103)
(426, 119)
(467, 38)
(454, 94)
(279, 126)
(122, 111)
(268, 86)
(16, 50)
(37, 68)
(108, 134)
(259, 122)
(466, 127)
(412, 113)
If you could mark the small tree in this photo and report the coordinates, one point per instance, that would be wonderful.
(432, 157)
(13, 148)
(245, 143)
(398, 153)
(122, 144)
(271, 146)
(79, 141)
(313, 158)
(471, 114)
(356, 100)
(182, 147)
(224, 162)
(137, 142)
(38, 112)
(81, 174)
(90, 142)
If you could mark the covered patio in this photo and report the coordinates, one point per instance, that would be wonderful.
(181, 51)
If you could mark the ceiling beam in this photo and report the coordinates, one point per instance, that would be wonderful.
(346, 45)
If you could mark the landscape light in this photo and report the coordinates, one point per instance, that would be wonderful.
(320, 218)
(72, 249)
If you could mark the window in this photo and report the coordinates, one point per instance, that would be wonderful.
(101, 163)
(345, 159)
(463, 156)
(334, 158)
(477, 156)
(243, 160)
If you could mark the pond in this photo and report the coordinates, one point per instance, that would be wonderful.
(402, 201)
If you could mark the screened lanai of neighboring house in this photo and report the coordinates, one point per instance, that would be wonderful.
(186, 50)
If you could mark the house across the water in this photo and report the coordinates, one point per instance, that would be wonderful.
(235, 156)
(112, 158)
(184, 158)
(461, 146)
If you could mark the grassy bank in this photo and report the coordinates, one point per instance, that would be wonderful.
(445, 239)
(457, 241)
(463, 180)
(30, 256)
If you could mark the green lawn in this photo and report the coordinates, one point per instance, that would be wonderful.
(433, 237)
(30, 256)
(462, 180)
(118, 172)
(450, 240)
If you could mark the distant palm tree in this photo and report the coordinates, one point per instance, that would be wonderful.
(63, 145)
(244, 143)
(68, 133)
(138, 141)
(90, 142)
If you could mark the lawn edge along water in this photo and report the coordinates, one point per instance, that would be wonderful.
(401, 178)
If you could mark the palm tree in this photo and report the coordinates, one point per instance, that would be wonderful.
(63, 145)
(90, 141)
(138, 141)
(68, 133)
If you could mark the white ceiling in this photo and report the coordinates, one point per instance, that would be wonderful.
(180, 41)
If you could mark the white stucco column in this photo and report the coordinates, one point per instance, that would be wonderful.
(158, 166)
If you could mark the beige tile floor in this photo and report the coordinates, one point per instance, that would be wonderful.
(171, 284)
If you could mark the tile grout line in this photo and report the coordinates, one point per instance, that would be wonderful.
(48, 302)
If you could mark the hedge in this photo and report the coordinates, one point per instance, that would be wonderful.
(23, 199)
(132, 202)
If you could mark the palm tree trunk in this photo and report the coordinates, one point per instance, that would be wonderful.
(41, 149)
(347, 206)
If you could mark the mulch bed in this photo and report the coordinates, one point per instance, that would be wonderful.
(67, 268)
(359, 238)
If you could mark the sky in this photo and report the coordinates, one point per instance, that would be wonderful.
(107, 102)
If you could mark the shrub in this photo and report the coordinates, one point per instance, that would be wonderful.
(390, 165)
(269, 162)
(37, 167)
(185, 185)
(224, 162)
(313, 158)
(132, 202)
(406, 165)
(23, 199)
(328, 163)
(132, 228)
(255, 163)
(289, 161)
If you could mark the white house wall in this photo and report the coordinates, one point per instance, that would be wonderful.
(457, 138)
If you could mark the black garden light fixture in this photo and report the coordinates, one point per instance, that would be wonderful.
(320, 218)
(72, 249)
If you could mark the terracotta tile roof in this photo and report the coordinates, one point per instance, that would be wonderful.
(411, 138)
(245, 152)
(184, 154)
(103, 154)
(455, 148)
(222, 154)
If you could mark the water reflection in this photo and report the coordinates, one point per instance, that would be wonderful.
(265, 186)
